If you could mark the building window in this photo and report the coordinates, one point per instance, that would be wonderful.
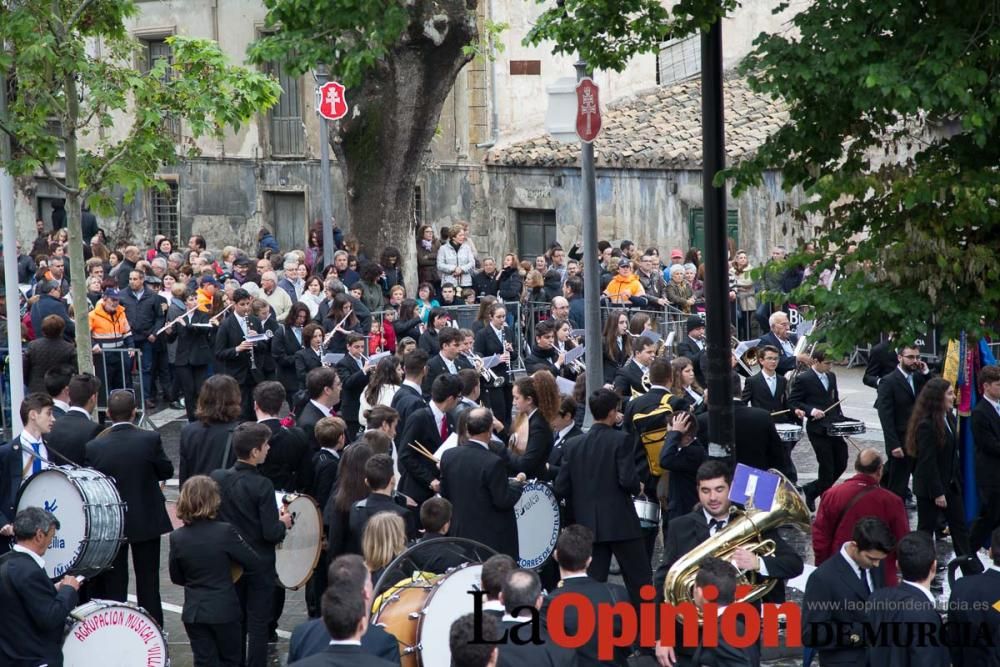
(157, 50)
(286, 129)
(536, 231)
(696, 227)
(678, 59)
(164, 210)
(418, 206)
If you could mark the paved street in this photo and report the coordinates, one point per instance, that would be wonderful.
(857, 404)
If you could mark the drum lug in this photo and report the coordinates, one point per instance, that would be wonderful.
(414, 615)
(409, 650)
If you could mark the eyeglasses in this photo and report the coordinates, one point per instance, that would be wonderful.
(910, 356)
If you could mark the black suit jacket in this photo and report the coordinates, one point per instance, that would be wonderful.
(231, 362)
(342, 656)
(365, 509)
(312, 637)
(757, 441)
(70, 435)
(10, 482)
(203, 449)
(284, 345)
(627, 379)
(541, 360)
(289, 463)
(32, 613)
(536, 453)
(786, 362)
(986, 433)
(194, 347)
(436, 555)
(596, 593)
(687, 532)
(546, 654)
(304, 360)
(836, 595)
(559, 448)
(325, 466)
(808, 394)
(688, 348)
(905, 606)
(971, 604)
(200, 558)
(307, 422)
(895, 405)
(136, 461)
(937, 471)
(417, 472)
(474, 479)
(683, 464)
(882, 360)
(353, 381)
(248, 504)
(406, 401)
(757, 394)
(487, 344)
(598, 480)
(436, 367)
(724, 654)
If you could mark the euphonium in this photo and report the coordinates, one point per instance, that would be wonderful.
(744, 531)
(646, 384)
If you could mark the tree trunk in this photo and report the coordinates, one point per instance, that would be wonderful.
(78, 273)
(394, 114)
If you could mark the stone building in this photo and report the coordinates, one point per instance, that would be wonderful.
(487, 164)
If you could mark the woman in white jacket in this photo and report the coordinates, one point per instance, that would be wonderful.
(456, 260)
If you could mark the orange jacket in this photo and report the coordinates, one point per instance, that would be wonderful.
(620, 289)
(109, 330)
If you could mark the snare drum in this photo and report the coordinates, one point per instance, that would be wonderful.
(296, 557)
(113, 634)
(91, 518)
(419, 613)
(846, 427)
(649, 512)
(537, 513)
(789, 432)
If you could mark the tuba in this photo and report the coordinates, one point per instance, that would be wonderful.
(744, 531)
(646, 384)
(749, 358)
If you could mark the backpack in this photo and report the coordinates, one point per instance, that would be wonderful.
(654, 436)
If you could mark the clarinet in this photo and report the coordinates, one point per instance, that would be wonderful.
(253, 360)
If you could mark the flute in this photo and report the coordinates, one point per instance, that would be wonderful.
(215, 318)
(174, 321)
(326, 338)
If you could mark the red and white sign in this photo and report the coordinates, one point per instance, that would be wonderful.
(330, 101)
(588, 110)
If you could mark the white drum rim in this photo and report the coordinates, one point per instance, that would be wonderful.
(292, 498)
(546, 490)
(98, 605)
(429, 600)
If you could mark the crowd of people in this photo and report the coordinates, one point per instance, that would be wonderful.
(416, 413)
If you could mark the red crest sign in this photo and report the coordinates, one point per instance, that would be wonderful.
(331, 102)
(588, 110)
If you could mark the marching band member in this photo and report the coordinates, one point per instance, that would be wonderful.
(815, 393)
(496, 338)
(615, 344)
(428, 428)
(194, 351)
(712, 514)
(446, 360)
(565, 428)
(781, 338)
(536, 397)
(986, 435)
(544, 354)
(352, 369)
(971, 605)
(206, 444)
(381, 481)
(629, 378)
(767, 389)
(598, 479)
(693, 347)
(71, 432)
(838, 591)
(897, 394)
(24, 456)
(309, 356)
(564, 343)
(323, 389)
(289, 339)
(235, 355)
(437, 320)
(201, 553)
(289, 463)
(722, 576)
(248, 504)
(33, 611)
(685, 385)
(410, 396)
(135, 460)
(522, 590)
(340, 321)
(329, 433)
(436, 556)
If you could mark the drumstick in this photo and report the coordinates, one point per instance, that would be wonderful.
(834, 405)
(779, 412)
(424, 449)
(851, 440)
(423, 453)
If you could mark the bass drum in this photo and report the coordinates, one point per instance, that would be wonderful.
(113, 634)
(296, 557)
(537, 513)
(91, 518)
(419, 613)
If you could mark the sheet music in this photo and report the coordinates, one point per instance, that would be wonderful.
(491, 361)
(576, 333)
(565, 386)
(575, 353)
(375, 358)
(332, 358)
(745, 345)
(452, 441)
(256, 338)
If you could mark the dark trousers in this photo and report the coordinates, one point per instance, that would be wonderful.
(189, 379)
(146, 361)
(317, 585)
(277, 607)
(246, 400)
(954, 514)
(632, 560)
(988, 519)
(256, 593)
(214, 644)
(897, 474)
(831, 455)
(112, 584)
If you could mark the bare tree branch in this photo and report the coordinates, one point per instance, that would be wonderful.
(75, 16)
(94, 182)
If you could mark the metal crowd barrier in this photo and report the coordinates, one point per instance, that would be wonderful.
(464, 315)
(120, 368)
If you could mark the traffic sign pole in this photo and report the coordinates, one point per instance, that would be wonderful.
(591, 274)
(324, 165)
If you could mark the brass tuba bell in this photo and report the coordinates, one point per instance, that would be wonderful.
(744, 531)
(646, 384)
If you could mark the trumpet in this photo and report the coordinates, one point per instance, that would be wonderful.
(174, 321)
(491, 378)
